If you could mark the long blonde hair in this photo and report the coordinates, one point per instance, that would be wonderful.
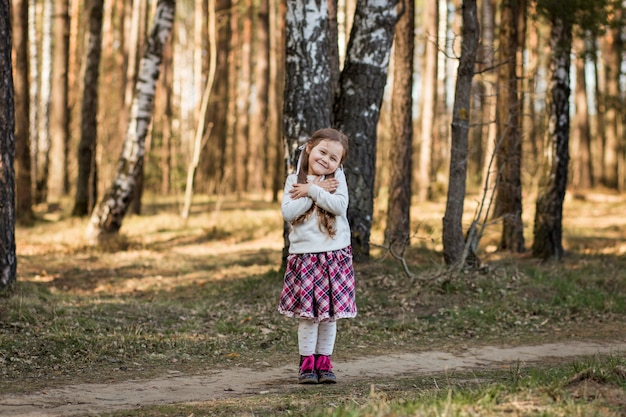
(326, 220)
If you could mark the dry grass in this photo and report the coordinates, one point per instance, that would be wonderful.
(202, 293)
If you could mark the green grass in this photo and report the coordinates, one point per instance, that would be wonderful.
(203, 295)
(593, 386)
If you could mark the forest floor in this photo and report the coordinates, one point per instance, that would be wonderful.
(182, 314)
(233, 383)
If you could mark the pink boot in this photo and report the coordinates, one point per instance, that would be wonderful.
(307, 374)
(324, 368)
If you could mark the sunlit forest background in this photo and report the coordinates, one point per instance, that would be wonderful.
(242, 149)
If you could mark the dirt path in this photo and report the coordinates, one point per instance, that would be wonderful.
(90, 399)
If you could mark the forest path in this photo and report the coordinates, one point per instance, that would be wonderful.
(92, 399)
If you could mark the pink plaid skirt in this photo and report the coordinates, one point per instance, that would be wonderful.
(319, 286)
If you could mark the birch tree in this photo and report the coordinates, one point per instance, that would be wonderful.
(307, 94)
(8, 259)
(357, 109)
(108, 215)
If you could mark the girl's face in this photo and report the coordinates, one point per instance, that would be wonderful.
(325, 157)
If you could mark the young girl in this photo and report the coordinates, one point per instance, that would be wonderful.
(319, 279)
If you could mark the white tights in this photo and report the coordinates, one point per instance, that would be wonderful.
(316, 338)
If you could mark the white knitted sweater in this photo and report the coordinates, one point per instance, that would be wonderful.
(307, 237)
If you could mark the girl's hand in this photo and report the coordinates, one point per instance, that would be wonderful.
(329, 184)
(300, 190)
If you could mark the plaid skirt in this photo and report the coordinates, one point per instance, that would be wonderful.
(319, 286)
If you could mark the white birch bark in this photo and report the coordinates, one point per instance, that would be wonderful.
(307, 95)
(108, 216)
(362, 85)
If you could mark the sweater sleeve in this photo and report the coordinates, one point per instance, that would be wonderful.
(335, 203)
(293, 208)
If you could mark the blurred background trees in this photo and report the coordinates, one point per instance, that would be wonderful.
(244, 152)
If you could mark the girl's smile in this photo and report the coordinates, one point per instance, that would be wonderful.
(325, 157)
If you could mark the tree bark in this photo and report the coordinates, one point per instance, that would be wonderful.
(548, 227)
(206, 97)
(259, 160)
(108, 216)
(59, 110)
(488, 88)
(228, 180)
(453, 241)
(398, 228)
(87, 178)
(242, 107)
(307, 94)
(612, 54)
(357, 110)
(277, 46)
(34, 93)
(307, 91)
(213, 166)
(166, 119)
(581, 131)
(8, 258)
(23, 182)
(509, 152)
(131, 81)
(428, 99)
(42, 156)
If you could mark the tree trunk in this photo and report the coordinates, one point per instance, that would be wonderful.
(242, 129)
(59, 110)
(600, 137)
(166, 119)
(509, 152)
(228, 180)
(109, 214)
(398, 229)
(131, 79)
(23, 181)
(453, 241)
(612, 54)
(428, 99)
(206, 97)
(260, 144)
(357, 110)
(42, 156)
(34, 93)
(214, 164)
(87, 178)
(8, 258)
(581, 133)
(277, 46)
(307, 93)
(548, 228)
(488, 88)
